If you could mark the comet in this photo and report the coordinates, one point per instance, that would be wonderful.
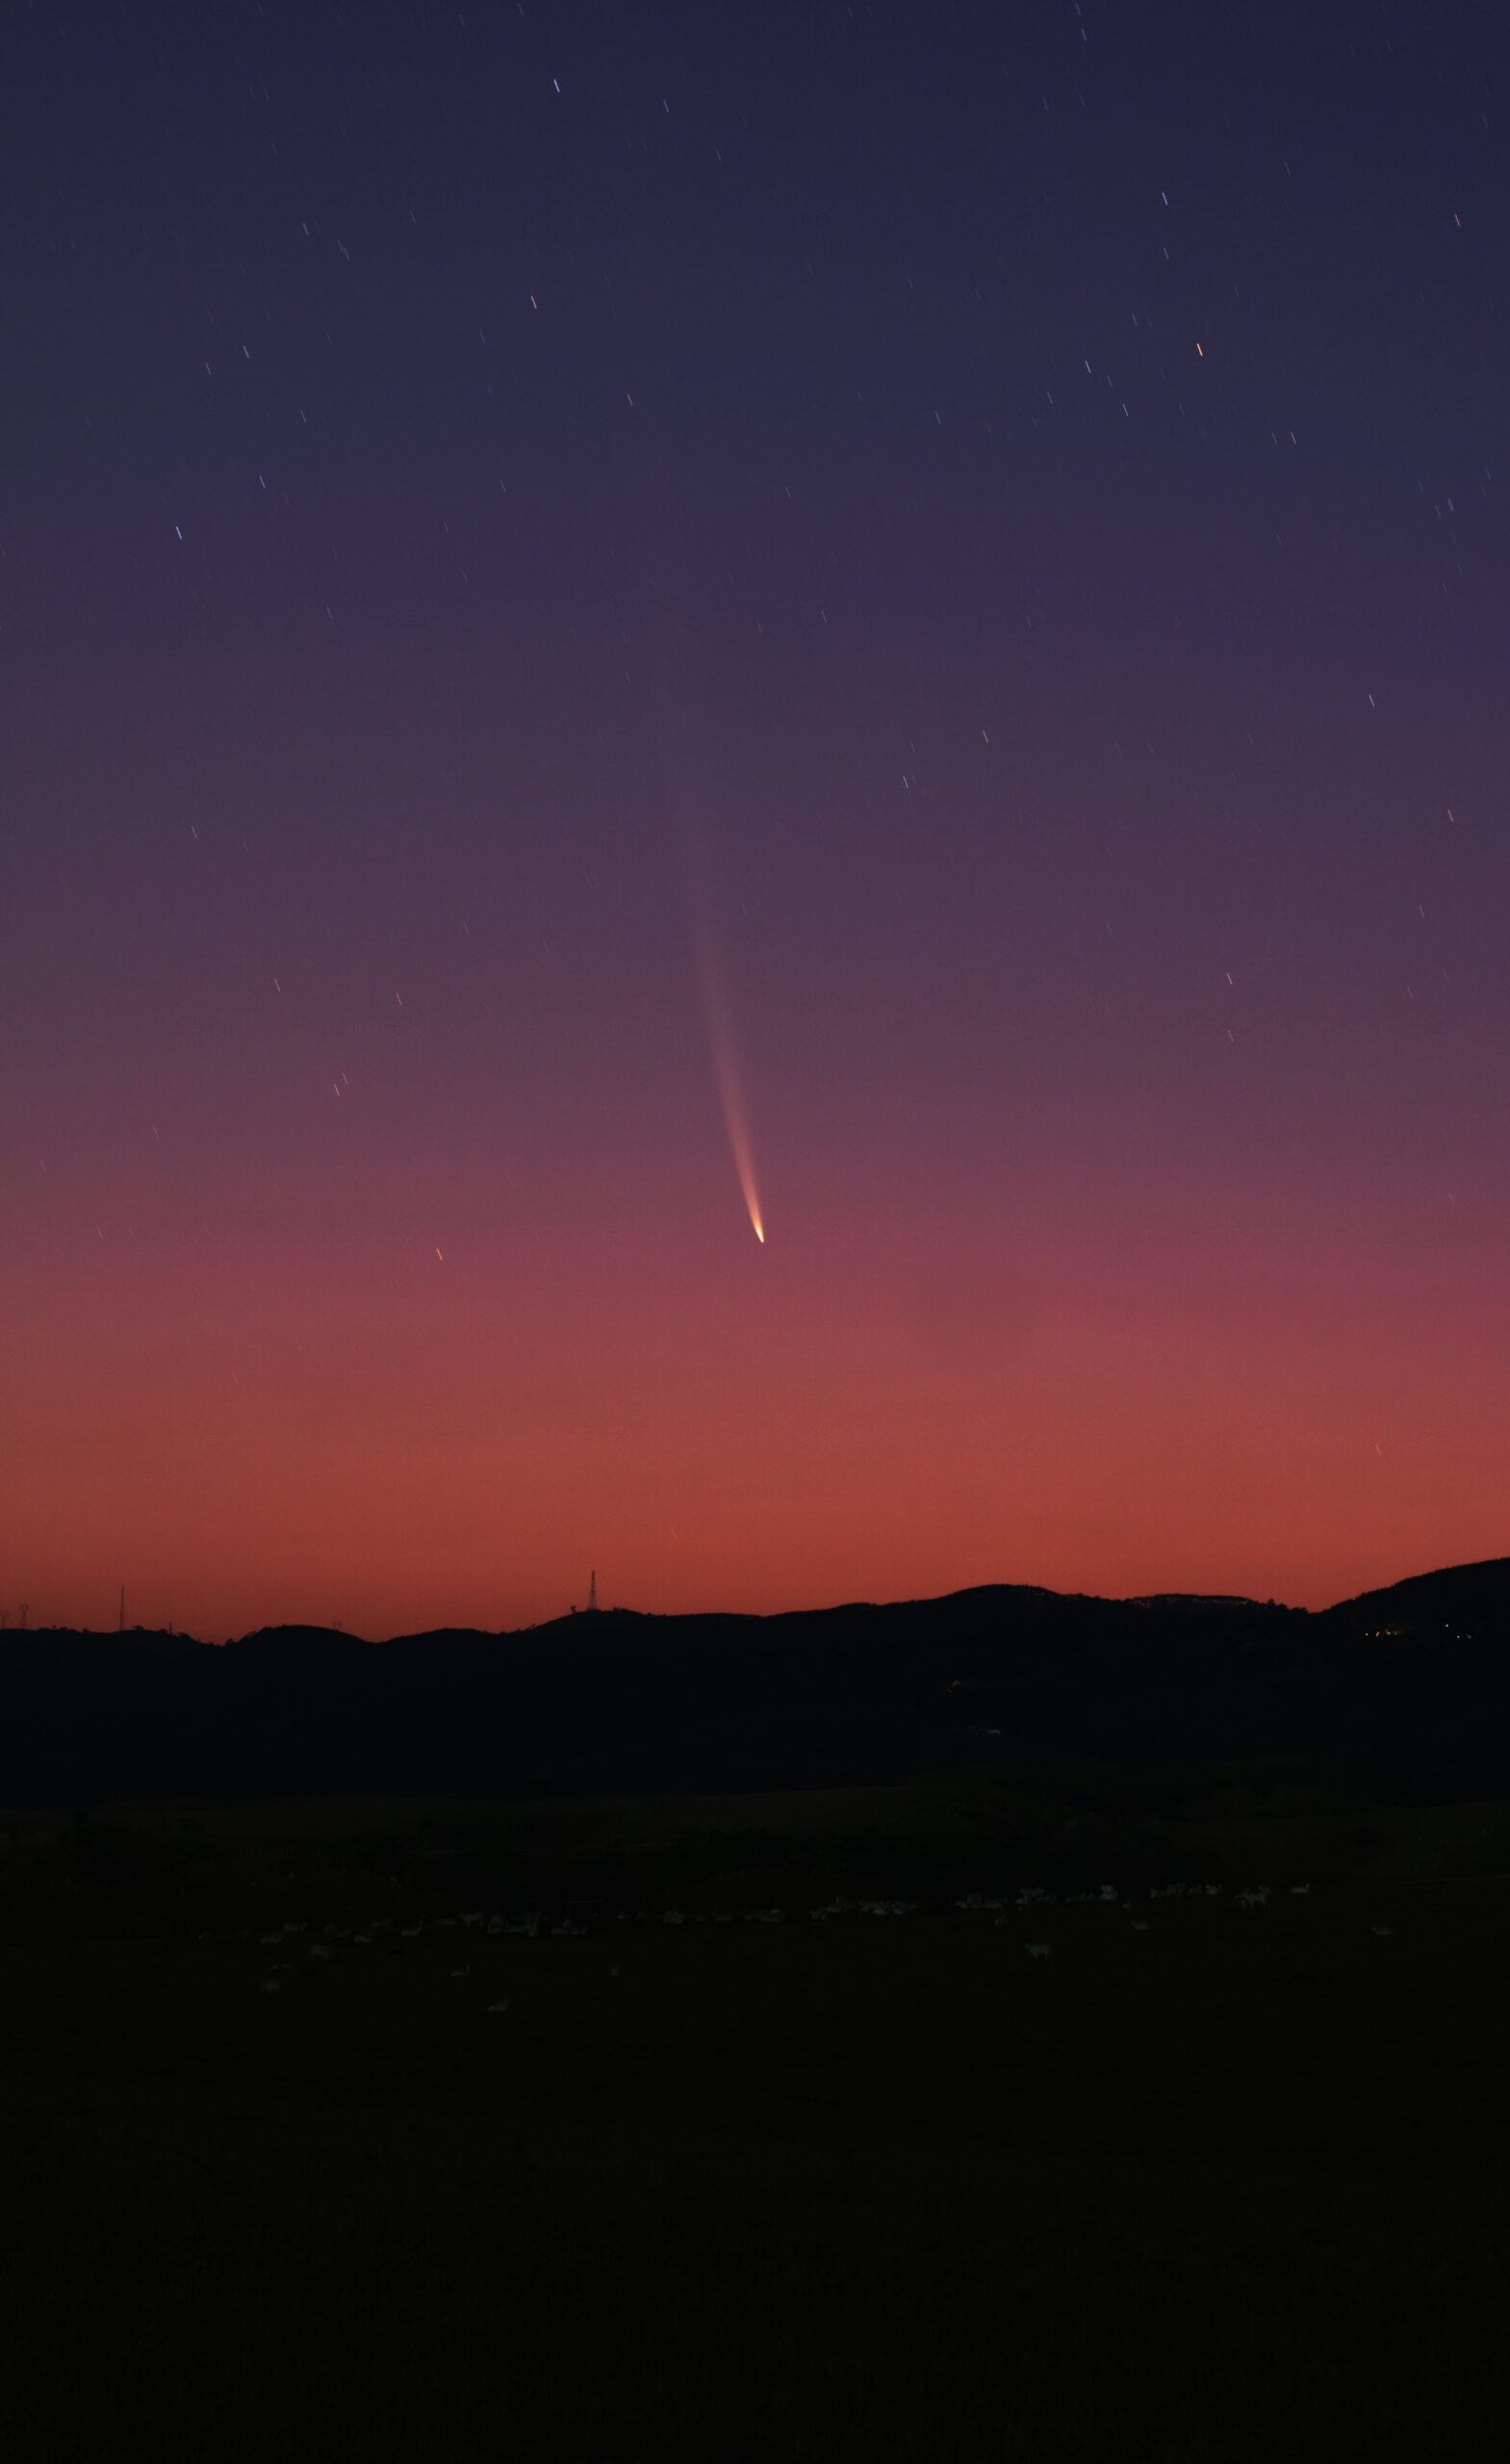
(720, 1029)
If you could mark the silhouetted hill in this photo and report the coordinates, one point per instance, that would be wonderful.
(304, 1645)
(1407, 1686)
(1456, 1598)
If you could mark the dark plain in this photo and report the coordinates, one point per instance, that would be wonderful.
(1231, 2186)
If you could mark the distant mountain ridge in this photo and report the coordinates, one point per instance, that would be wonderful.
(1450, 1591)
(1409, 1685)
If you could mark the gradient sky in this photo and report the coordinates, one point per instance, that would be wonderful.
(953, 560)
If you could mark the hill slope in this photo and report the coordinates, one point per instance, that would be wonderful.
(1407, 1686)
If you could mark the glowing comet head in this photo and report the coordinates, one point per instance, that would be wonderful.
(720, 1032)
(731, 1095)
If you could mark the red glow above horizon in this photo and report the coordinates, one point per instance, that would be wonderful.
(346, 1430)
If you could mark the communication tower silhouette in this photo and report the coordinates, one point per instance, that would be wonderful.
(592, 1593)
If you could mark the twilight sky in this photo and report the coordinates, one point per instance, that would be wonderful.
(941, 573)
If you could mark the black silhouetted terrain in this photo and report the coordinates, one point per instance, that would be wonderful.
(306, 2156)
(1409, 1686)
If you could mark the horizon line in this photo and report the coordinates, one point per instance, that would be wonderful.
(567, 1616)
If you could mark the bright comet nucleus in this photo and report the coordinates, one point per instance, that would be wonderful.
(720, 1032)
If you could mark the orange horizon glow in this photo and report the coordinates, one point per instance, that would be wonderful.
(296, 1432)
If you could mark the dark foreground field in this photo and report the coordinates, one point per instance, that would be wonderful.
(882, 2187)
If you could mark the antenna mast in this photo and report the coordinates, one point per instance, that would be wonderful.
(592, 1591)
